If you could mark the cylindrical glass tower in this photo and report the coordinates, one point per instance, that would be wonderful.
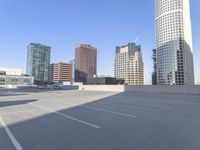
(174, 43)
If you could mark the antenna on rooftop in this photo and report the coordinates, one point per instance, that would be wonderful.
(137, 38)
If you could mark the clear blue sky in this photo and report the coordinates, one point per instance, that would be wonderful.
(62, 24)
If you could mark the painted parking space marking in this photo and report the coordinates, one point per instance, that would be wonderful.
(108, 111)
(66, 116)
(10, 135)
(131, 107)
(102, 110)
(15, 112)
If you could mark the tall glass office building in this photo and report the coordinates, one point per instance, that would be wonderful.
(174, 43)
(38, 62)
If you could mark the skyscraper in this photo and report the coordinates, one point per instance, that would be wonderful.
(174, 43)
(85, 62)
(154, 74)
(129, 64)
(51, 73)
(72, 62)
(38, 62)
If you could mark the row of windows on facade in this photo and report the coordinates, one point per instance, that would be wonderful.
(170, 32)
(126, 73)
(166, 17)
(166, 6)
(129, 67)
(14, 80)
(170, 47)
(165, 39)
(169, 26)
(171, 78)
(164, 30)
(121, 69)
(168, 56)
(160, 43)
(168, 37)
(167, 66)
(170, 19)
(166, 72)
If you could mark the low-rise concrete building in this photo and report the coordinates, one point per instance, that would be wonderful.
(105, 81)
(12, 77)
(15, 80)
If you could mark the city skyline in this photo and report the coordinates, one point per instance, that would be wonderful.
(103, 36)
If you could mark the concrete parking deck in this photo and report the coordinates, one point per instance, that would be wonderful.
(83, 120)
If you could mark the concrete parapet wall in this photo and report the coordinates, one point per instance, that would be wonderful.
(70, 87)
(186, 89)
(109, 88)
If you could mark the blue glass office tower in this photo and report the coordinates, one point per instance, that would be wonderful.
(174, 52)
(38, 62)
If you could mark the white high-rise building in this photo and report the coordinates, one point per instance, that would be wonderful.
(129, 64)
(174, 43)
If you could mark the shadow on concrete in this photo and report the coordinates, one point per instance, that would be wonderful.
(146, 132)
(34, 90)
(10, 94)
(16, 102)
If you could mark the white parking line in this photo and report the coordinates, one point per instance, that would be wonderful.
(15, 112)
(131, 102)
(10, 135)
(66, 116)
(132, 107)
(98, 109)
(4, 108)
(108, 111)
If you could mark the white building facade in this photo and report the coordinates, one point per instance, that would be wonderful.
(174, 43)
(129, 64)
(11, 77)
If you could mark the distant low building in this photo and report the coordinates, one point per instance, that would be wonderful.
(60, 72)
(14, 80)
(105, 81)
(13, 77)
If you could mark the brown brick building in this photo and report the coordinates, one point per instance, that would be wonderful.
(85, 62)
(62, 72)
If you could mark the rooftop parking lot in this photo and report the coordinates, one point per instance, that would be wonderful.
(84, 120)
